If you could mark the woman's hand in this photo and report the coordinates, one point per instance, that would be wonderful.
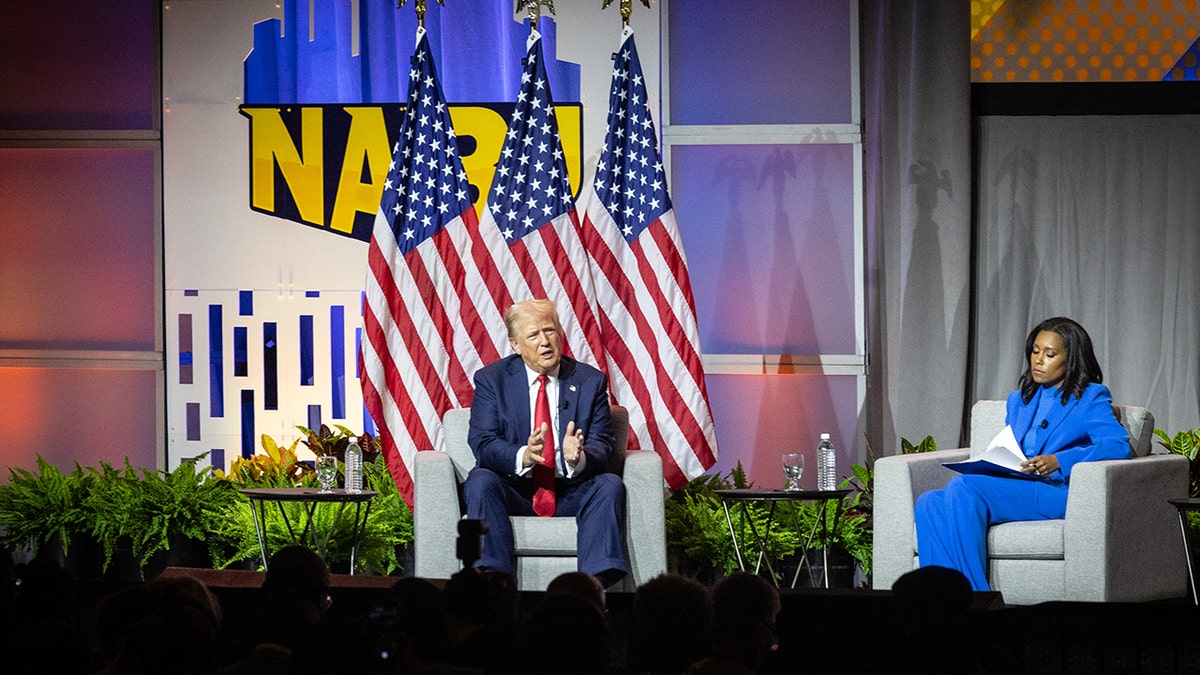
(1042, 465)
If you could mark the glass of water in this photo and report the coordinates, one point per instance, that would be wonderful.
(326, 472)
(793, 468)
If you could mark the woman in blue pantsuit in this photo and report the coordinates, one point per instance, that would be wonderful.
(1061, 415)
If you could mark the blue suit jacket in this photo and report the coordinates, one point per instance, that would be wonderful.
(1083, 430)
(501, 419)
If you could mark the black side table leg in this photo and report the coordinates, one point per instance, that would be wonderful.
(1187, 550)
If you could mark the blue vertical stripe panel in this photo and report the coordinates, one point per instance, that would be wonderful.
(369, 423)
(193, 421)
(216, 363)
(240, 355)
(314, 417)
(358, 352)
(248, 441)
(217, 458)
(306, 350)
(185, 349)
(337, 361)
(246, 303)
(270, 367)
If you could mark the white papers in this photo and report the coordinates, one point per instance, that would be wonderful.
(1003, 457)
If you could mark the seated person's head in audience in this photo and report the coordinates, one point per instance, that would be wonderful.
(581, 584)
(672, 617)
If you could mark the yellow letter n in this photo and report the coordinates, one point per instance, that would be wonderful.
(302, 168)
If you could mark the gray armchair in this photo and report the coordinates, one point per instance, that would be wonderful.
(545, 547)
(1119, 541)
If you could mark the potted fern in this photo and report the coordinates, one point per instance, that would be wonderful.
(44, 512)
(387, 532)
(162, 518)
(699, 543)
(697, 532)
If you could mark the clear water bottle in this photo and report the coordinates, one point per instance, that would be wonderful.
(827, 476)
(354, 468)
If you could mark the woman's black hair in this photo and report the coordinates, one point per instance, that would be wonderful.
(1082, 367)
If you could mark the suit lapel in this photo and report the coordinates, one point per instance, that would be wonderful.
(1055, 416)
(518, 399)
(1024, 418)
(568, 395)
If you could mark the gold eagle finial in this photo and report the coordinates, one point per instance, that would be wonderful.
(533, 9)
(626, 8)
(420, 6)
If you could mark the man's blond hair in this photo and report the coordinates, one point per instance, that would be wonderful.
(529, 310)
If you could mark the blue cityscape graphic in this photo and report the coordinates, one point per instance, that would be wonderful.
(477, 45)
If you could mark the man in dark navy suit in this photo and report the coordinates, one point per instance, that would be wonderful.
(548, 463)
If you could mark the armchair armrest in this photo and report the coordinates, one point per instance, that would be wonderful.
(435, 516)
(899, 480)
(1121, 540)
(644, 517)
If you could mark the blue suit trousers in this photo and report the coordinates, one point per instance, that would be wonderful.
(596, 503)
(952, 523)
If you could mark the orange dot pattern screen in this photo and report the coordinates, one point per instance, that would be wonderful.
(1084, 40)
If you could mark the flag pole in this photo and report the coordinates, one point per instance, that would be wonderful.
(420, 6)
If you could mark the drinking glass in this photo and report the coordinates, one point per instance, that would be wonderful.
(326, 472)
(793, 468)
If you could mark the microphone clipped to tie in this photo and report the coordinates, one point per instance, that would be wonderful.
(1045, 423)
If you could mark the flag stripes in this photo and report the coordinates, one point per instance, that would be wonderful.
(440, 278)
(643, 293)
(416, 358)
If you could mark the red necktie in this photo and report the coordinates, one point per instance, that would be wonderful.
(543, 474)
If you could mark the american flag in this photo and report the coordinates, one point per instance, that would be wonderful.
(416, 357)
(643, 296)
(527, 244)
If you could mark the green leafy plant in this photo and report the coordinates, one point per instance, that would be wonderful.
(1186, 443)
(926, 445)
(698, 541)
(326, 441)
(856, 534)
(388, 525)
(111, 495)
(187, 502)
(155, 511)
(276, 466)
(38, 508)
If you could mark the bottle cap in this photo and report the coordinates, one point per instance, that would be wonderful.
(824, 437)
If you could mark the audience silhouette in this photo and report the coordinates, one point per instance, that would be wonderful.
(940, 635)
(476, 623)
(295, 596)
(580, 584)
(743, 628)
(482, 619)
(169, 621)
(672, 624)
(45, 618)
(420, 622)
(565, 634)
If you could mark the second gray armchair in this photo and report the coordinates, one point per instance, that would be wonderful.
(1119, 542)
